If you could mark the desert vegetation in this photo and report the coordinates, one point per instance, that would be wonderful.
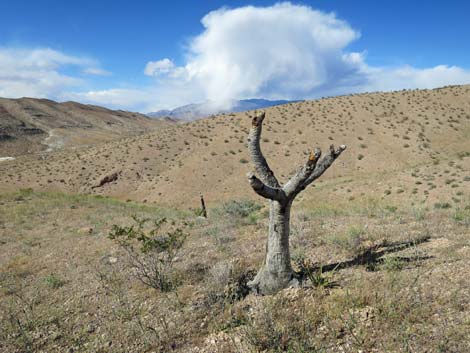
(105, 249)
(378, 278)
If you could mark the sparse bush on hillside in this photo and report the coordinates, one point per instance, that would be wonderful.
(53, 281)
(350, 241)
(442, 205)
(20, 322)
(241, 210)
(462, 215)
(151, 252)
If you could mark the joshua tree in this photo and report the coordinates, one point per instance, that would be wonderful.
(276, 272)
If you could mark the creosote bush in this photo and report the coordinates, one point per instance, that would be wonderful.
(151, 251)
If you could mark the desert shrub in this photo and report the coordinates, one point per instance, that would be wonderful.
(151, 251)
(419, 213)
(442, 205)
(226, 282)
(53, 281)
(222, 233)
(350, 240)
(199, 212)
(241, 211)
(462, 215)
(19, 323)
(392, 263)
(309, 272)
(275, 327)
(240, 208)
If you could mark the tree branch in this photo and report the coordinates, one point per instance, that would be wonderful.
(262, 167)
(324, 164)
(264, 190)
(294, 185)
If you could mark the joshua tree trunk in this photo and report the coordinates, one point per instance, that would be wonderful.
(276, 272)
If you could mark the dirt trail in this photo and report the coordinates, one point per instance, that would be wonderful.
(53, 141)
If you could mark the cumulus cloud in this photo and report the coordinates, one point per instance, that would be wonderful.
(38, 72)
(283, 51)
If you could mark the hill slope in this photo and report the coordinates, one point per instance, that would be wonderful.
(408, 143)
(31, 125)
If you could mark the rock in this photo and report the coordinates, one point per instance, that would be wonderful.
(86, 230)
(107, 179)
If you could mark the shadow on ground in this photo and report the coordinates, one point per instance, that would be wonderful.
(372, 258)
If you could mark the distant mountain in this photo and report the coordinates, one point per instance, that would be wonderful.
(29, 125)
(202, 110)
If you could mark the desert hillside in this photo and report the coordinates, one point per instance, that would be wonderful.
(380, 244)
(412, 143)
(29, 125)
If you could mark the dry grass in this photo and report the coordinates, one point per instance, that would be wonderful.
(400, 281)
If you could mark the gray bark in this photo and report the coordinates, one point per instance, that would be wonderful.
(276, 272)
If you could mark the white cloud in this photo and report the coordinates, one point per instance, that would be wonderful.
(119, 98)
(155, 68)
(283, 51)
(39, 72)
(407, 77)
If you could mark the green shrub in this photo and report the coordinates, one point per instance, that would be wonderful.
(442, 205)
(54, 281)
(154, 257)
(419, 213)
(199, 212)
(462, 215)
(316, 276)
(392, 263)
(241, 210)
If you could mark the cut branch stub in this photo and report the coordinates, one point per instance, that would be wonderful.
(295, 184)
(258, 119)
(324, 164)
(262, 168)
(264, 190)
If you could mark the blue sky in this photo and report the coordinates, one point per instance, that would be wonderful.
(98, 51)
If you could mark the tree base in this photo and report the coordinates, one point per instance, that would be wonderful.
(267, 282)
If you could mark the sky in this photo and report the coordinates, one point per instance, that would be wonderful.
(150, 55)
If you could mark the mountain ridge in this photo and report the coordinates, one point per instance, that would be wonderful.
(196, 111)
